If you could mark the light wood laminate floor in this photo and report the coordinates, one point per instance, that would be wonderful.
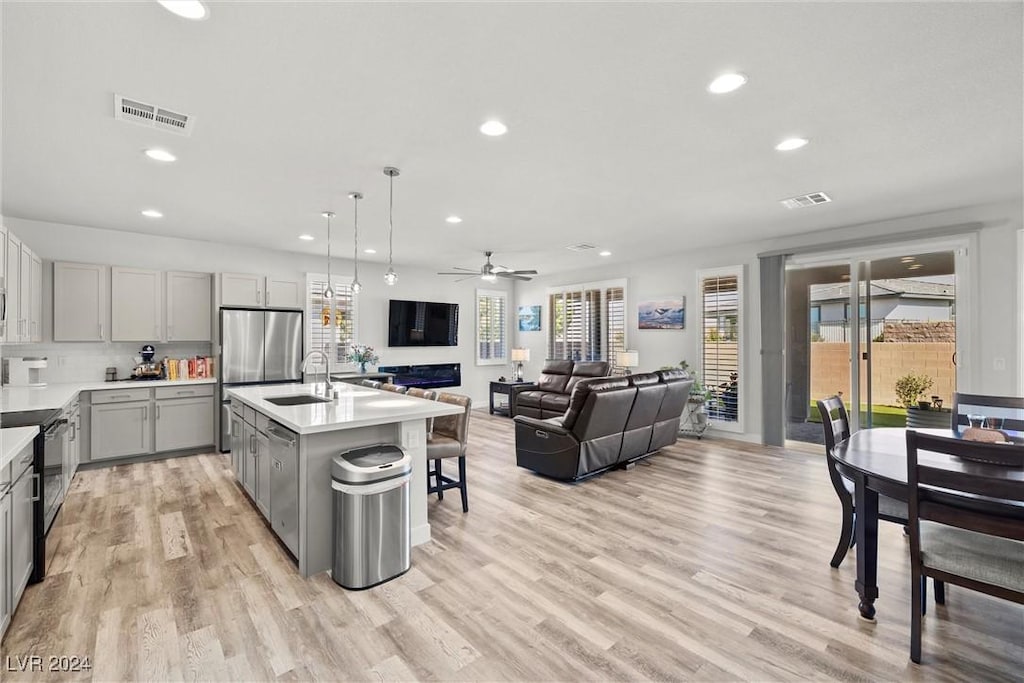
(708, 562)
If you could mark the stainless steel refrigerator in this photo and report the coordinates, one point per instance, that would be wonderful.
(257, 346)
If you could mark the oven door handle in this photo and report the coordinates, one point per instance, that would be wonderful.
(35, 488)
(56, 429)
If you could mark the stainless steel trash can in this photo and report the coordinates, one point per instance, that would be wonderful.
(371, 515)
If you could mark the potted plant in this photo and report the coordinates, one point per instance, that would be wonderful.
(910, 390)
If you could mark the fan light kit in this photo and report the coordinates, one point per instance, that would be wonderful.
(490, 273)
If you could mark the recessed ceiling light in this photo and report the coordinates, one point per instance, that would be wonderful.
(493, 128)
(152, 213)
(727, 83)
(605, 253)
(188, 9)
(789, 144)
(907, 259)
(160, 155)
(369, 251)
(453, 219)
(308, 238)
(915, 266)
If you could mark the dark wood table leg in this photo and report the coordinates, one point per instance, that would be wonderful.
(866, 535)
(491, 398)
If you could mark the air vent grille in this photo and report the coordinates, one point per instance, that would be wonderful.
(805, 200)
(152, 116)
(582, 246)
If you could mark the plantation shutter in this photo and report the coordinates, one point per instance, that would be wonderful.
(331, 323)
(615, 323)
(491, 327)
(720, 354)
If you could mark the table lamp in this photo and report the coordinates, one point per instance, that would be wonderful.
(627, 360)
(518, 356)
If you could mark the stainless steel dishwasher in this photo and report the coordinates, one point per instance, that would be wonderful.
(284, 485)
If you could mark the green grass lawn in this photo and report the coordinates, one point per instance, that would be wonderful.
(882, 416)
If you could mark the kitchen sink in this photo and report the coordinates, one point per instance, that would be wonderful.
(297, 400)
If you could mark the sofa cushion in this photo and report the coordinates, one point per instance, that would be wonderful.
(585, 369)
(529, 398)
(555, 375)
(585, 389)
(554, 403)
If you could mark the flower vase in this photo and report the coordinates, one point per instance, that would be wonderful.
(362, 368)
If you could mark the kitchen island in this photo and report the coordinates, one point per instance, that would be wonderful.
(281, 454)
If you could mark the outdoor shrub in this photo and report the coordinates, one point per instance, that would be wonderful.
(909, 387)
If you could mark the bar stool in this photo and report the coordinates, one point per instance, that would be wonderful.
(393, 388)
(372, 383)
(448, 440)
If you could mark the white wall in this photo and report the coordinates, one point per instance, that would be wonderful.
(996, 267)
(59, 242)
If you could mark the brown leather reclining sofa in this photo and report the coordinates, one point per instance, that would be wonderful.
(549, 396)
(610, 421)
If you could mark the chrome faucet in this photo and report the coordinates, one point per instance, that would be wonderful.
(328, 388)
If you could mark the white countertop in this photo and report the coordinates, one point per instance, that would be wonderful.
(13, 440)
(355, 407)
(59, 395)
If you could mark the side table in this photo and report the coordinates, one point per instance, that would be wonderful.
(502, 388)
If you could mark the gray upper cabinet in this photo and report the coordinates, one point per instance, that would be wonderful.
(80, 302)
(284, 293)
(13, 298)
(189, 306)
(136, 304)
(241, 289)
(36, 304)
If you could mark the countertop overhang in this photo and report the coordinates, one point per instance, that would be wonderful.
(355, 406)
(14, 439)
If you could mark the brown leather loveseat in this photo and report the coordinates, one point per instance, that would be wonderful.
(549, 395)
(610, 422)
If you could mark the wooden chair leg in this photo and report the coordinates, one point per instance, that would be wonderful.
(924, 595)
(940, 592)
(846, 535)
(462, 483)
(437, 477)
(916, 614)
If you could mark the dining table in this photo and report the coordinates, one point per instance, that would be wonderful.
(876, 461)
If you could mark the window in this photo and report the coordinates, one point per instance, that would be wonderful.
(721, 314)
(491, 327)
(587, 321)
(331, 328)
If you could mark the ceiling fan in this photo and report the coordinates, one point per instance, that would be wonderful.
(491, 272)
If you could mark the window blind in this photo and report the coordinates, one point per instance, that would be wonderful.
(615, 323)
(720, 354)
(491, 327)
(587, 322)
(331, 323)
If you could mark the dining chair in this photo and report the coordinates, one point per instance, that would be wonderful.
(1004, 412)
(372, 383)
(966, 525)
(393, 388)
(448, 440)
(835, 421)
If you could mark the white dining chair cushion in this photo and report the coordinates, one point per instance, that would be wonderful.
(989, 559)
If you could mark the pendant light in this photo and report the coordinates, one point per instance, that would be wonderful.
(391, 277)
(355, 197)
(329, 289)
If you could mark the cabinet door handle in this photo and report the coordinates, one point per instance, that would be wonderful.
(117, 396)
(252, 444)
(186, 393)
(100, 326)
(145, 413)
(3, 306)
(74, 431)
(158, 411)
(35, 488)
(170, 334)
(259, 295)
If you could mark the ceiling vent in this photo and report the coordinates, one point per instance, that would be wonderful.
(152, 116)
(582, 246)
(806, 200)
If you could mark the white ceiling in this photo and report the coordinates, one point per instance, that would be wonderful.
(612, 139)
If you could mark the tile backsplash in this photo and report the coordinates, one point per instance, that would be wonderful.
(87, 362)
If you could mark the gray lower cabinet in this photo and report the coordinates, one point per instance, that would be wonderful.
(284, 485)
(5, 555)
(237, 447)
(263, 473)
(184, 423)
(21, 498)
(249, 456)
(120, 429)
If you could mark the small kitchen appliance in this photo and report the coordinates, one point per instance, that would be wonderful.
(147, 369)
(24, 372)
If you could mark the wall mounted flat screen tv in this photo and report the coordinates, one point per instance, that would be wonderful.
(423, 323)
